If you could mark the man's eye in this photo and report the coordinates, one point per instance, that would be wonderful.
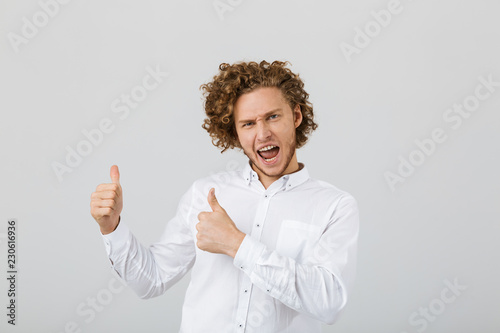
(247, 124)
(274, 115)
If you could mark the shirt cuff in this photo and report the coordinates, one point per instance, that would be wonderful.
(249, 252)
(117, 239)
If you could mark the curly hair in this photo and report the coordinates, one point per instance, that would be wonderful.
(232, 81)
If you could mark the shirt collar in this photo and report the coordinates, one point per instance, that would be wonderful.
(289, 181)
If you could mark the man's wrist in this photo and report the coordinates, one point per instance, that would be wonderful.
(238, 240)
(108, 231)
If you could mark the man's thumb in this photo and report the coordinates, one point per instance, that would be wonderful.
(115, 174)
(212, 200)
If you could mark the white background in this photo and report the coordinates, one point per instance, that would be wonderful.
(440, 224)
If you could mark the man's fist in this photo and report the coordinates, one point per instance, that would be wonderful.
(217, 233)
(106, 203)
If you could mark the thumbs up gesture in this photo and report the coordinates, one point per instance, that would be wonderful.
(106, 203)
(217, 233)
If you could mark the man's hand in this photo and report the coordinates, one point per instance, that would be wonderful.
(217, 233)
(106, 203)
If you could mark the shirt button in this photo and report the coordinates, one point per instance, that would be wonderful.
(266, 195)
(241, 267)
(258, 225)
(246, 290)
(267, 290)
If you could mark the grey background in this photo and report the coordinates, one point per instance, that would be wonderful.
(440, 224)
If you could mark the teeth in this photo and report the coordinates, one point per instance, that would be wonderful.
(270, 159)
(266, 148)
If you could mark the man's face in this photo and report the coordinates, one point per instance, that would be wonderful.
(264, 120)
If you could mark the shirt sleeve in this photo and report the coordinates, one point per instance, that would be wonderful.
(150, 271)
(320, 284)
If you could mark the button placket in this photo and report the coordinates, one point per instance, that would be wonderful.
(260, 217)
(246, 285)
(244, 303)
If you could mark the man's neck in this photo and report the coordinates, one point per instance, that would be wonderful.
(266, 181)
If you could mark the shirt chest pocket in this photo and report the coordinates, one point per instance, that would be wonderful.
(296, 239)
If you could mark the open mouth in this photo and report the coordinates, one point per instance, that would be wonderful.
(269, 153)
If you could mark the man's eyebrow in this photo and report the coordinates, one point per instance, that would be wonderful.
(268, 113)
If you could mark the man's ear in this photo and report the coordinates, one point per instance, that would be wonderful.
(297, 115)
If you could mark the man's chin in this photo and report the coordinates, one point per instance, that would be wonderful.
(274, 170)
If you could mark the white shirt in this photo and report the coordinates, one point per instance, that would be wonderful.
(293, 270)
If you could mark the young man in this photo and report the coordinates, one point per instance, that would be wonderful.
(271, 249)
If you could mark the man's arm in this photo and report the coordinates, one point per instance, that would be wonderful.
(317, 285)
(148, 271)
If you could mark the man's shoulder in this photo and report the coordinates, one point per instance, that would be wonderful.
(325, 189)
(220, 177)
(197, 192)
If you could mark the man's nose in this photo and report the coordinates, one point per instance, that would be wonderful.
(263, 131)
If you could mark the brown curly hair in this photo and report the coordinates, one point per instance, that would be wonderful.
(232, 81)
